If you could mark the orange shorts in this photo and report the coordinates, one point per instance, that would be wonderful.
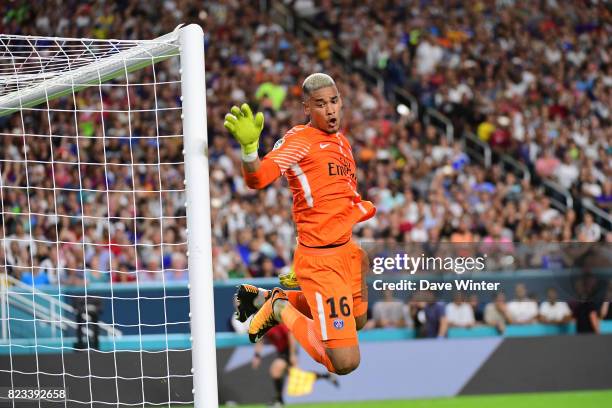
(331, 281)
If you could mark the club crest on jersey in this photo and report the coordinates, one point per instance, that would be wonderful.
(339, 324)
(278, 143)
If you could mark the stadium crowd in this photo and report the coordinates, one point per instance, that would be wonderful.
(533, 79)
(433, 318)
(425, 188)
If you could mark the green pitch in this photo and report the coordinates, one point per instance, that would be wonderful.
(582, 399)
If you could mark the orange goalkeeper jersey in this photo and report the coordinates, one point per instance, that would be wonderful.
(321, 173)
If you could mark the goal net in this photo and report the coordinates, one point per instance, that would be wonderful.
(105, 223)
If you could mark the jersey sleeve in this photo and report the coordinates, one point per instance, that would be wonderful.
(263, 176)
(288, 151)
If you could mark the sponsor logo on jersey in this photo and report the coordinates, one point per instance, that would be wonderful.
(339, 324)
(278, 143)
(343, 169)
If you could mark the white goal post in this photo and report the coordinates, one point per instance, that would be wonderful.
(65, 68)
(201, 297)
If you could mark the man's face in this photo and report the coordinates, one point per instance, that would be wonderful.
(552, 295)
(521, 291)
(324, 106)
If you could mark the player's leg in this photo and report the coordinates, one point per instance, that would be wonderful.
(340, 356)
(299, 301)
(277, 372)
(303, 329)
(337, 358)
(332, 378)
(330, 337)
(344, 353)
(249, 299)
(344, 359)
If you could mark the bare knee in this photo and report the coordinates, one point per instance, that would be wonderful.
(345, 360)
(346, 366)
(345, 369)
(277, 368)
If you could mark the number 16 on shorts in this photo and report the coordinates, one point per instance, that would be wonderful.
(336, 317)
(342, 307)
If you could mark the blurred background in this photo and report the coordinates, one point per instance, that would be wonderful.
(484, 122)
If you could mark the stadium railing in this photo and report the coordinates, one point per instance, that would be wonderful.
(559, 196)
(515, 166)
(440, 121)
(477, 149)
(600, 216)
(31, 312)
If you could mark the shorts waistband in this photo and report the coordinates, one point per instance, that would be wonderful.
(324, 250)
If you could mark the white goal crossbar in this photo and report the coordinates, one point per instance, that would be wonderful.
(49, 86)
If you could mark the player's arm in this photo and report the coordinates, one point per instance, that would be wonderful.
(605, 306)
(246, 129)
(260, 173)
(443, 328)
(594, 321)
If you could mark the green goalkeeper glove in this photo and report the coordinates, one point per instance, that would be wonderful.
(246, 129)
(288, 279)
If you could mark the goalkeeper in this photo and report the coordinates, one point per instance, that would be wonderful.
(318, 162)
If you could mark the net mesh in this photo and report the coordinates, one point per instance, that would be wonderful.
(94, 294)
(27, 61)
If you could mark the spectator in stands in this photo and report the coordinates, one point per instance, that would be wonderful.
(387, 312)
(605, 312)
(522, 309)
(587, 317)
(35, 278)
(121, 272)
(228, 263)
(477, 309)
(586, 310)
(567, 172)
(459, 313)
(547, 165)
(407, 313)
(463, 233)
(553, 311)
(429, 316)
(589, 231)
(178, 268)
(150, 272)
(604, 200)
(93, 274)
(496, 313)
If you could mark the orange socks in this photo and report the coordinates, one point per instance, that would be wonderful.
(298, 300)
(304, 331)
